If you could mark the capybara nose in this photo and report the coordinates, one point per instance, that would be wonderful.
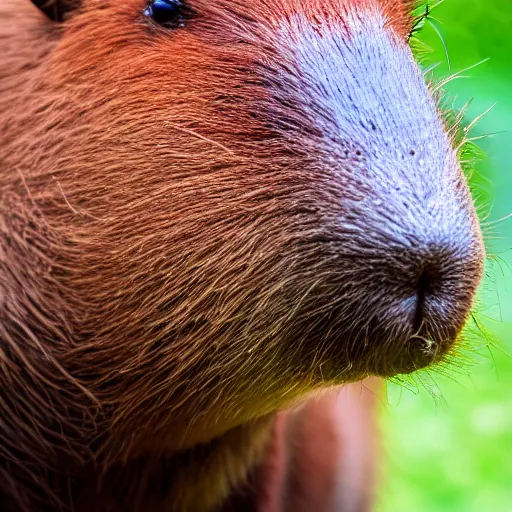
(429, 287)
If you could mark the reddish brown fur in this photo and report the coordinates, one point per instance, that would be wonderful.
(151, 257)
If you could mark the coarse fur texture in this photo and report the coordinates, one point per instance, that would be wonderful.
(202, 226)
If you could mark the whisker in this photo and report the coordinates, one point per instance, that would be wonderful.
(471, 125)
(494, 222)
(199, 136)
(430, 68)
(438, 32)
(457, 75)
(486, 135)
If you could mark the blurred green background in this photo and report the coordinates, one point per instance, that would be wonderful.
(451, 449)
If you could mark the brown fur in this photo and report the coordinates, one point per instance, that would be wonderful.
(168, 274)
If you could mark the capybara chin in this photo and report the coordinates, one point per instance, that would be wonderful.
(210, 210)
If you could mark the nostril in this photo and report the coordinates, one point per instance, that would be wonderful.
(427, 282)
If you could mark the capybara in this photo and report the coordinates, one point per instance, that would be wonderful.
(211, 211)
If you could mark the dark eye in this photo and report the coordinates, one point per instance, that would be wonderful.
(169, 13)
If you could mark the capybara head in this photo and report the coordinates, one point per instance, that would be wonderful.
(211, 208)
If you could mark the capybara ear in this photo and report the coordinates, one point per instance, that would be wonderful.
(57, 10)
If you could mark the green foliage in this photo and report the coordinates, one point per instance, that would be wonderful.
(448, 446)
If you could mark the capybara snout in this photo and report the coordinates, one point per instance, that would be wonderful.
(396, 240)
(222, 205)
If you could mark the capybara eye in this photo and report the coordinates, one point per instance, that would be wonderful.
(168, 13)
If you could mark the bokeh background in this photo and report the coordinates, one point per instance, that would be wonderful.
(448, 447)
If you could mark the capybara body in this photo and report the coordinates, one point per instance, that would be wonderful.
(210, 211)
